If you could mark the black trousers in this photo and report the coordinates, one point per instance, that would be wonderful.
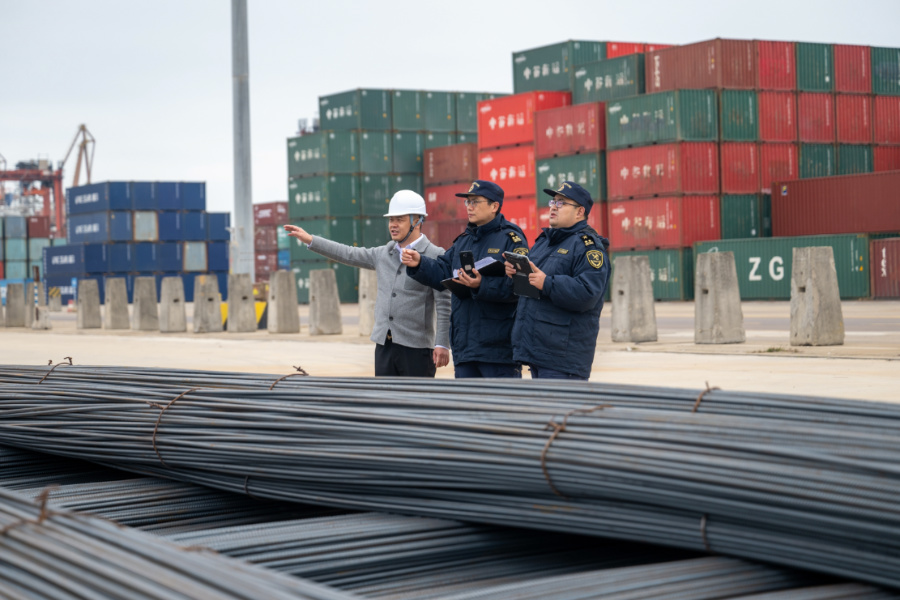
(394, 360)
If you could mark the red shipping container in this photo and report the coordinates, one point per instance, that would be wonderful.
(510, 168)
(864, 203)
(886, 158)
(655, 47)
(852, 69)
(887, 119)
(615, 49)
(884, 258)
(270, 213)
(673, 222)
(596, 219)
(265, 237)
(443, 205)
(777, 162)
(777, 116)
(451, 164)
(266, 262)
(853, 116)
(38, 227)
(570, 130)
(718, 64)
(740, 168)
(815, 117)
(510, 120)
(524, 213)
(775, 64)
(666, 169)
(2, 275)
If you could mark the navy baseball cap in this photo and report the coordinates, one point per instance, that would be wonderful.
(487, 189)
(574, 192)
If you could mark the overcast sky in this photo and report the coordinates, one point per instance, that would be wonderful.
(152, 79)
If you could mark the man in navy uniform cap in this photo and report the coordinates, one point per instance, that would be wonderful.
(483, 308)
(556, 334)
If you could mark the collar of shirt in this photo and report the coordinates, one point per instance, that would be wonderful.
(411, 246)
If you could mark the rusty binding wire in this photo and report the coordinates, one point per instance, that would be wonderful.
(159, 418)
(703, 393)
(300, 371)
(50, 362)
(557, 429)
(45, 513)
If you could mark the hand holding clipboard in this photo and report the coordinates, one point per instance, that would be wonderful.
(524, 271)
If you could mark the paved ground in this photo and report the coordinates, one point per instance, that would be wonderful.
(867, 366)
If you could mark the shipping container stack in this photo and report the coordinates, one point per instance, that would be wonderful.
(448, 171)
(271, 244)
(23, 239)
(372, 144)
(139, 229)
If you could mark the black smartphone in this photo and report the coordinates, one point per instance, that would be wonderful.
(467, 262)
(519, 261)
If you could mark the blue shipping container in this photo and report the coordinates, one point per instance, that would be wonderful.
(15, 227)
(167, 195)
(98, 197)
(284, 259)
(63, 283)
(217, 225)
(192, 195)
(170, 226)
(75, 260)
(100, 227)
(120, 258)
(194, 226)
(15, 249)
(146, 226)
(157, 257)
(217, 254)
(143, 195)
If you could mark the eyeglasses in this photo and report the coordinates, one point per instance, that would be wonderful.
(471, 202)
(560, 203)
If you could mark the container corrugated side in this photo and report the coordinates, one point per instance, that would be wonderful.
(610, 79)
(356, 109)
(853, 117)
(853, 159)
(270, 213)
(886, 71)
(671, 271)
(831, 205)
(885, 269)
(407, 151)
(778, 162)
(343, 230)
(324, 196)
(739, 116)
(817, 160)
(852, 69)
(513, 169)
(815, 67)
(764, 264)
(440, 111)
(739, 168)
(375, 151)
(670, 222)
(886, 119)
(408, 110)
(886, 158)
(777, 116)
(587, 170)
(815, 117)
(712, 64)
(443, 204)
(451, 164)
(666, 169)
(552, 67)
(509, 120)
(742, 216)
(324, 152)
(467, 109)
(776, 68)
(439, 139)
(570, 129)
(683, 115)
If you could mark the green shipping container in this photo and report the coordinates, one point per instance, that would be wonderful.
(587, 170)
(347, 279)
(324, 197)
(815, 67)
(375, 191)
(764, 264)
(552, 68)
(437, 139)
(739, 116)
(407, 181)
(683, 115)
(59, 242)
(356, 109)
(408, 149)
(610, 79)
(440, 111)
(284, 240)
(886, 71)
(343, 230)
(36, 248)
(467, 109)
(375, 152)
(744, 217)
(853, 159)
(463, 137)
(325, 152)
(408, 110)
(671, 272)
(373, 232)
(817, 160)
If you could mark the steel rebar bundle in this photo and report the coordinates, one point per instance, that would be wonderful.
(45, 554)
(806, 482)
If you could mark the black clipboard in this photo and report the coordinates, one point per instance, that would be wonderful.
(521, 286)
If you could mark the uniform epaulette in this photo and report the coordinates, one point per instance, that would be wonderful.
(588, 240)
(514, 236)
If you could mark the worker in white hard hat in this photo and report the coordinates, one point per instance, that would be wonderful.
(412, 321)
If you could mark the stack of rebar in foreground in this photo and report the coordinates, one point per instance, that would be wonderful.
(805, 482)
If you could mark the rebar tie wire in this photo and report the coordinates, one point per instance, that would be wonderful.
(557, 429)
(50, 362)
(703, 393)
(45, 514)
(300, 371)
(159, 418)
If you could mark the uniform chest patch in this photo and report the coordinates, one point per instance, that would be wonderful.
(493, 250)
(563, 251)
(595, 258)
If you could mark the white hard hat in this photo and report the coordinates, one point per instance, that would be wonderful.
(406, 202)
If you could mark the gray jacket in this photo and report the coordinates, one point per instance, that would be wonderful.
(403, 305)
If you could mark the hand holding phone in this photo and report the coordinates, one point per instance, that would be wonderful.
(467, 262)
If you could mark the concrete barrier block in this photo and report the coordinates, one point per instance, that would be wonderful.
(284, 311)
(172, 315)
(41, 318)
(145, 310)
(241, 304)
(207, 305)
(816, 315)
(718, 318)
(2, 316)
(368, 291)
(88, 305)
(29, 304)
(633, 309)
(324, 304)
(55, 303)
(15, 305)
(115, 304)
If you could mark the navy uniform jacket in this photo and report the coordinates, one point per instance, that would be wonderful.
(559, 330)
(481, 325)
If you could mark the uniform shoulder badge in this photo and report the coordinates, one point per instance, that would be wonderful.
(514, 237)
(521, 250)
(595, 258)
(588, 241)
